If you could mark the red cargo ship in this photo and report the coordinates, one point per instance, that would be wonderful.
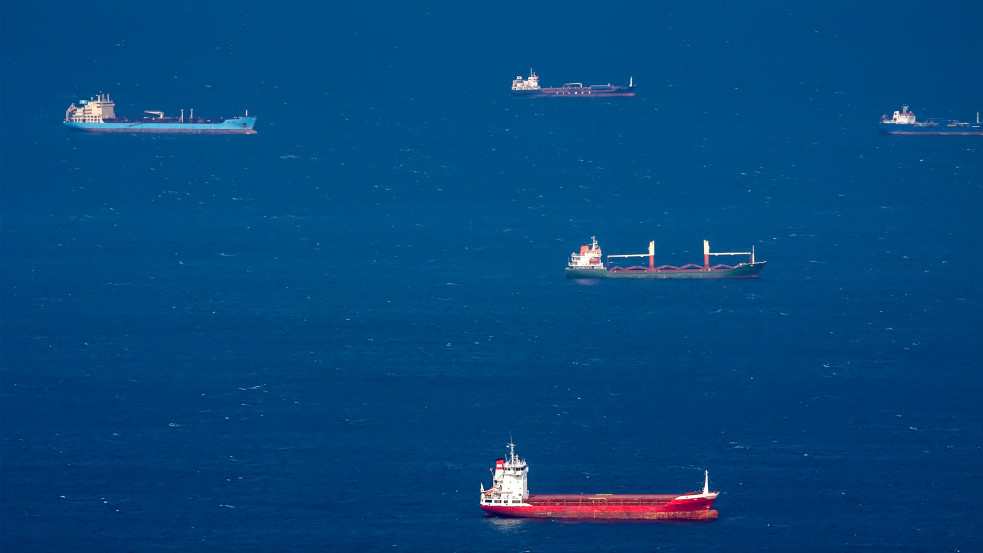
(509, 497)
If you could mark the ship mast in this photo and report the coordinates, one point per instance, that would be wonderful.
(707, 254)
(650, 254)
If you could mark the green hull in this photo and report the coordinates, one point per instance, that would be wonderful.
(744, 270)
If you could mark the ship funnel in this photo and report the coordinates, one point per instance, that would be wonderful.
(499, 474)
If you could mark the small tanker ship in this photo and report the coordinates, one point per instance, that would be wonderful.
(509, 497)
(529, 88)
(98, 114)
(903, 122)
(589, 264)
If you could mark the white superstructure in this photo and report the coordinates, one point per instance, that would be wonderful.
(588, 258)
(532, 83)
(508, 482)
(93, 110)
(903, 117)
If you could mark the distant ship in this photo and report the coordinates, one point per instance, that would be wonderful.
(904, 122)
(98, 115)
(588, 264)
(529, 88)
(509, 497)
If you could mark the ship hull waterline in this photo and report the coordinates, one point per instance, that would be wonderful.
(932, 130)
(239, 126)
(935, 133)
(610, 507)
(518, 512)
(569, 94)
(744, 270)
(165, 131)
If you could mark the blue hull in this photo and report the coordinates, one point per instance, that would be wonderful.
(236, 125)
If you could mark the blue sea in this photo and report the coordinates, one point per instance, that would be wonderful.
(320, 337)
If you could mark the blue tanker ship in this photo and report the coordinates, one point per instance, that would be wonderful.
(98, 115)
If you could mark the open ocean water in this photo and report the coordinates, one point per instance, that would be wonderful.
(320, 337)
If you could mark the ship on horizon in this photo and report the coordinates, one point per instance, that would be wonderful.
(529, 88)
(903, 122)
(98, 114)
(509, 497)
(589, 264)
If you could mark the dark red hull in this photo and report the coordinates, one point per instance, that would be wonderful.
(577, 92)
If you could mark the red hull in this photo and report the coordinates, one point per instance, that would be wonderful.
(574, 93)
(609, 507)
(937, 133)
